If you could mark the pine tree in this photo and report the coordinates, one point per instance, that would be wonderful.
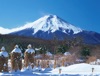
(85, 52)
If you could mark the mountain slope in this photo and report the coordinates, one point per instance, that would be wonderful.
(48, 24)
(89, 37)
(4, 31)
(51, 26)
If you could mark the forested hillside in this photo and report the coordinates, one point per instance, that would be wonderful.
(74, 46)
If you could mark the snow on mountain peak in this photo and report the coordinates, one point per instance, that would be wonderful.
(49, 23)
(4, 31)
(52, 23)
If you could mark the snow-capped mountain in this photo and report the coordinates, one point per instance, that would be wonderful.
(51, 25)
(4, 31)
(48, 24)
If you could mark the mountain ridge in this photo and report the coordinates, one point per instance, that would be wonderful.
(48, 22)
(51, 25)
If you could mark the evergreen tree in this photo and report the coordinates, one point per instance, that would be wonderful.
(43, 50)
(85, 52)
(62, 49)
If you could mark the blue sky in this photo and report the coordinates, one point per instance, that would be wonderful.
(81, 13)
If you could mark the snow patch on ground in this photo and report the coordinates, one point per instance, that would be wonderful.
(82, 69)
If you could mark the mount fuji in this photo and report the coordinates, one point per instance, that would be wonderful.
(51, 26)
